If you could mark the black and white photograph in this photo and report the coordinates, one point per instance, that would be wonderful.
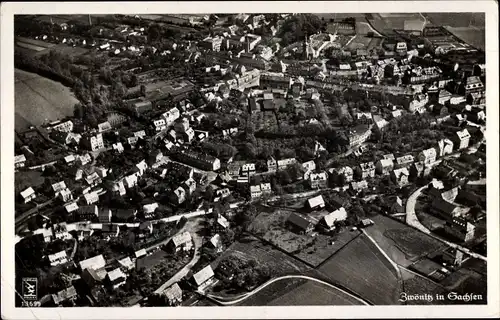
(270, 158)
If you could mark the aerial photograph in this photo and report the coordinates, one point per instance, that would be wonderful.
(260, 159)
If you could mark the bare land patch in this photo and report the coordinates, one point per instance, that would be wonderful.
(38, 99)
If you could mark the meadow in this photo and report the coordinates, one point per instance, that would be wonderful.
(38, 99)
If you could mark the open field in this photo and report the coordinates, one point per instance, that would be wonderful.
(358, 16)
(386, 22)
(313, 294)
(32, 46)
(70, 50)
(274, 291)
(454, 19)
(417, 285)
(25, 179)
(476, 37)
(313, 250)
(249, 247)
(384, 231)
(362, 268)
(38, 99)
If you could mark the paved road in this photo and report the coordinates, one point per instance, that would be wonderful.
(226, 302)
(412, 220)
(185, 270)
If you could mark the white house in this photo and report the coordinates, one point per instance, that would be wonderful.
(58, 258)
(91, 198)
(28, 195)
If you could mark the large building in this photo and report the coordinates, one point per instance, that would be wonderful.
(199, 160)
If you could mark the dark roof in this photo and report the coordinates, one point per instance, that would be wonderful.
(299, 221)
(125, 213)
(443, 205)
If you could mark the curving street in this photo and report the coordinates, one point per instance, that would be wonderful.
(226, 302)
(412, 220)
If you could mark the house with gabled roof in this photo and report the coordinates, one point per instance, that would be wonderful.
(384, 166)
(19, 161)
(427, 156)
(94, 263)
(316, 203)
(445, 146)
(68, 294)
(58, 258)
(461, 139)
(91, 197)
(28, 195)
(126, 263)
(203, 277)
(400, 176)
(299, 223)
(116, 278)
(404, 161)
(367, 169)
(173, 294)
(180, 242)
(328, 221)
(444, 208)
(318, 180)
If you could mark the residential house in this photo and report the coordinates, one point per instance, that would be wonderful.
(200, 160)
(66, 126)
(316, 203)
(318, 180)
(222, 193)
(178, 196)
(384, 166)
(173, 295)
(473, 84)
(119, 188)
(358, 135)
(132, 141)
(248, 169)
(222, 223)
(160, 125)
(216, 243)
(87, 213)
(130, 181)
(379, 122)
(180, 242)
(328, 221)
(358, 186)
(149, 208)
(417, 105)
(272, 165)
(450, 195)
(445, 146)
(284, 163)
(309, 166)
(19, 161)
(427, 156)
(58, 258)
(93, 276)
(444, 96)
(417, 170)
(93, 179)
(460, 228)
(84, 159)
(140, 253)
(170, 116)
(94, 142)
(125, 215)
(91, 197)
(71, 207)
(28, 195)
(102, 172)
(46, 234)
(461, 139)
(65, 195)
(343, 174)
(255, 191)
(265, 188)
(104, 126)
(299, 223)
(94, 263)
(105, 215)
(141, 168)
(400, 176)
(203, 277)
(367, 170)
(444, 208)
(110, 230)
(404, 161)
(126, 263)
(395, 205)
(116, 278)
(68, 294)
(70, 159)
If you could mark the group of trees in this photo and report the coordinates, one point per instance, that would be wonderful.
(295, 28)
(246, 273)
